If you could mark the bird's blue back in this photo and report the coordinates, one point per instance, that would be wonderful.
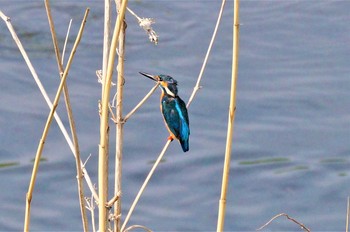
(176, 118)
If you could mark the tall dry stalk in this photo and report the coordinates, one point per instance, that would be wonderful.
(106, 51)
(71, 120)
(347, 215)
(231, 117)
(106, 38)
(47, 126)
(104, 126)
(119, 123)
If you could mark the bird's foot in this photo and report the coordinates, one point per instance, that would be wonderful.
(171, 138)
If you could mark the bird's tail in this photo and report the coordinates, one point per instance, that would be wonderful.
(185, 145)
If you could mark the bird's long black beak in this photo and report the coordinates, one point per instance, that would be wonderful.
(152, 77)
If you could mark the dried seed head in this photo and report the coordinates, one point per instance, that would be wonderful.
(146, 23)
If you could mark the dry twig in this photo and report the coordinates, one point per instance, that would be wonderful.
(137, 227)
(90, 205)
(289, 218)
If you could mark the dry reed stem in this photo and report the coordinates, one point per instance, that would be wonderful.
(150, 174)
(288, 217)
(71, 119)
(66, 41)
(106, 47)
(347, 215)
(106, 39)
(104, 127)
(90, 205)
(47, 125)
(106, 51)
(111, 202)
(45, 95)
(119, 123)
(231, 117)
(197, 86)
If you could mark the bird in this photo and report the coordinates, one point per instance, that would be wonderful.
(173, 109)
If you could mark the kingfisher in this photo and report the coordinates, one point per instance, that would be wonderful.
(173, 108)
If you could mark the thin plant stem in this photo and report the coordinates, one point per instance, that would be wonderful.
(106, 38)
(231, 117)
(66, 41)
(150, 174)
(90, 205)
(146, 23)
(197, 86)
(93, 217)
(106, 51)
(104, 127)
(71, 121)
(347, 215)
(46, 97)
(133, 13)
(289, 218)
(141, 102)
(119, 124)
(47, 125)
(111, 202)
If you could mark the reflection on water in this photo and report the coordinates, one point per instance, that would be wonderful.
(290, 149)
(9, 164)
(264, 161)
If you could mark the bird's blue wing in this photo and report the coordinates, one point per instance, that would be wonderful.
(183, 115)
(184, 125)
(176, 117)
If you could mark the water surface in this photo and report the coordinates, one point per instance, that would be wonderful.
(290, 148)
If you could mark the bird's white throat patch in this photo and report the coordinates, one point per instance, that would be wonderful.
(167, 90)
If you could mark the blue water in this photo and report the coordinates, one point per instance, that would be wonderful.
(292, 127)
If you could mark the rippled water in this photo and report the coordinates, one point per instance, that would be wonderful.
(290, 149)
